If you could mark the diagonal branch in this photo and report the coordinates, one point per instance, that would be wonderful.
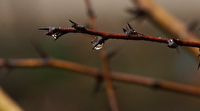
(167, 22)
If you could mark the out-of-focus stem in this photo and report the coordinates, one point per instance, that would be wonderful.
(7, 104)
(168, 23)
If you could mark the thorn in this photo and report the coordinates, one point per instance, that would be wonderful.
(77, 26)
(72, 22)
(43, 28)
(125, 30)
(129, 31)
(130, 26)
(74, 25)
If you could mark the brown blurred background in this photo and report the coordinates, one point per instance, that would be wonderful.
(51, 89)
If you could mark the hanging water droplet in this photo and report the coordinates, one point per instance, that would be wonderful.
(97, 43)
(54, 36)
(98, 47)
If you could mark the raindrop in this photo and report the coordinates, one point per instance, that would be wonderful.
(54, 36)
(99, 46)
(97, 43)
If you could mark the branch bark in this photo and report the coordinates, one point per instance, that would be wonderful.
(122, 77)
(53, 30)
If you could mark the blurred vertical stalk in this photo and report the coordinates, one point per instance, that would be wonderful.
(108, 80)
(91, 15)
(106, 71)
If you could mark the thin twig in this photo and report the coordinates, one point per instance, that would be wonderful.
(91, 15)
(108, 80)
(123, 77)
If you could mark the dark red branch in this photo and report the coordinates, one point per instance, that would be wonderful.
(106, 36)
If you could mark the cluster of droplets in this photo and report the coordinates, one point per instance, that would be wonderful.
(54, 36)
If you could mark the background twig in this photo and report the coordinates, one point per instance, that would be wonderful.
(123, 77)
(167, 22)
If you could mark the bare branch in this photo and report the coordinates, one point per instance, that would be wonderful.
(123, 77)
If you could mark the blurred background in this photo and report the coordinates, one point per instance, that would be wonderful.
(51, 89)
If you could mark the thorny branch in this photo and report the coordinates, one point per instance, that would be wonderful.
(56, 32)
(149, 8)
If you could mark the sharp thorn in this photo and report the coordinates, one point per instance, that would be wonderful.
(72, 22)
(130, 26)
(43, 28)
(124, 30)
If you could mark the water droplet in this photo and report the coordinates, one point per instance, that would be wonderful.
(97, 43)
(54, 36)
(98, 47)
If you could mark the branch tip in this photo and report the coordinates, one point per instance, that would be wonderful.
(43, 28)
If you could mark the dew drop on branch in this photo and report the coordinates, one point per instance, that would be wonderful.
(98, 47)
(97, 43)
(54, 36)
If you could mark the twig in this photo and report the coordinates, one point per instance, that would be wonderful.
(168, 23)
(123, 77)
(108, 80)
(91, 15)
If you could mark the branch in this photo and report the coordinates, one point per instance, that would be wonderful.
(56, 32)
(108, 80)
(123, 77)
(91, 15)
(167, 22)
